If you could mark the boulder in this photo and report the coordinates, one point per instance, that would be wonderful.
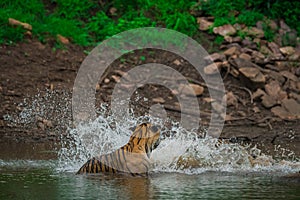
(287, 51)
(204, 24)
(274, 90)
(292, 106)
(281, 112)
(252, 77)
(231, 51)
(254, 32)
(191, 89)
(289, 75)
(216, 57)
(268, 101)
(212, 68)
(225, 30)
(245, 56)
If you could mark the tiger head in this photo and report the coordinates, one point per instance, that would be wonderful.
(145, 138)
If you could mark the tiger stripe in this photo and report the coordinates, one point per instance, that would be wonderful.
(132, 158)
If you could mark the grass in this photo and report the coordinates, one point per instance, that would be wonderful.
(87, 22)
(251, 11)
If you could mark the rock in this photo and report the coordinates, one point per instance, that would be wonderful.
(258, 57)
(281, 65)
(292, 86)
(106, 80)
(295, 96)
(116, 78)
(245, 56)
(258, 93)
(196, 89)
(158, 100)
(272, 67)
(265, 50)
(238, 27)
(274, 48)
(256, 41)
(276, 76)
(246, 50)
(239, 62)
(15, 22)
(281, 112)
(248, 43)
(208, 99)
(254, 32)
(212, 68)
(62, 39)
(231, 99)
(225, 64)
(237, 39)
(295, 56)
(256, 109)
(287, 51)
(274, 90)
(204, 24)
(216, 57)
(272, 24)
(234, 72)
(268, 101)
(253, 73)
(292, 106)
(289, 75)
(228, 38)
(225, 30)
(231, 51)
(177, 62)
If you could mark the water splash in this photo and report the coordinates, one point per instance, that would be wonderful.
(179, 151)
(49, 111)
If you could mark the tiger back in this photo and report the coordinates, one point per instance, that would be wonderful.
(132, 158)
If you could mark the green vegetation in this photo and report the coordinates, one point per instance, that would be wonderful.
(86, 22)
(250, 11)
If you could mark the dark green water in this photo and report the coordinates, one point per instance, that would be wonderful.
(34, 180)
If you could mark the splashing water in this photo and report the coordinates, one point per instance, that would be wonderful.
(179, 150)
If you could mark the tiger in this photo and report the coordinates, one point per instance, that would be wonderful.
(132, 158)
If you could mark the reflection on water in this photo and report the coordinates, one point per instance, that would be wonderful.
(41, 183)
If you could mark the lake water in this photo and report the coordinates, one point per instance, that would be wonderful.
(206, 170)
(37, 180)
(32, 172)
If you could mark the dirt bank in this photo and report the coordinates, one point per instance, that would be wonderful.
(29, 68)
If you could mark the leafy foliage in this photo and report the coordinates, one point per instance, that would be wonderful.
(87, 22)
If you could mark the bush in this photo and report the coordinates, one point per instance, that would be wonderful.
(87, 22)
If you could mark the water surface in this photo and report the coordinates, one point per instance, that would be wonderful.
(34, 180)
